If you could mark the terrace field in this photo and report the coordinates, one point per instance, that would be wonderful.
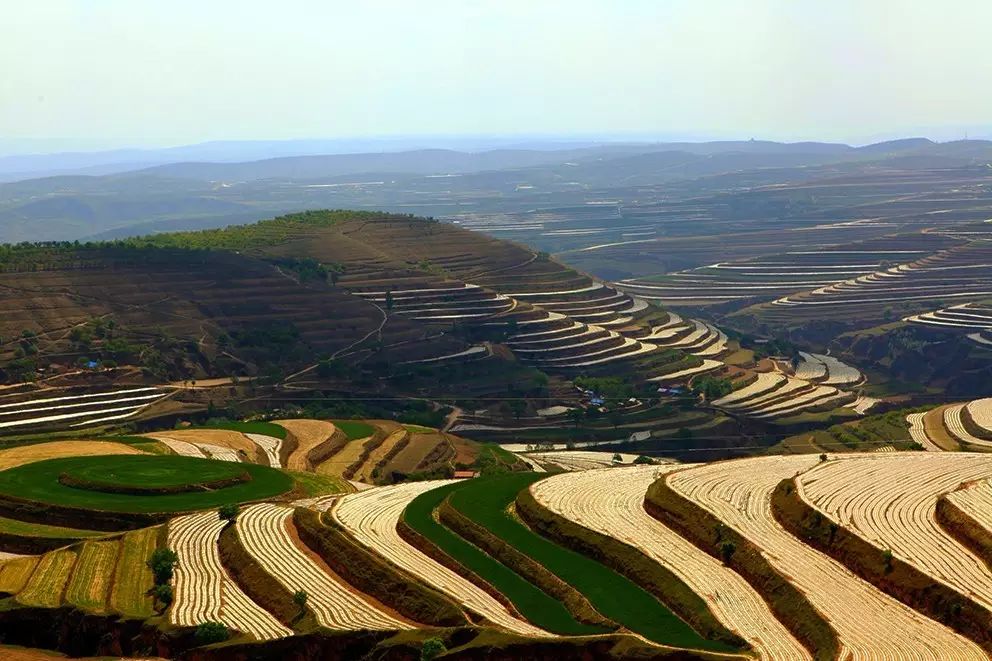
(360, 430)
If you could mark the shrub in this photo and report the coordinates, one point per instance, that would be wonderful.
(431, 649)
(162, 562)
(211, 632)
(162, 594)
(727, 551)
(300, 598)
(229, 512)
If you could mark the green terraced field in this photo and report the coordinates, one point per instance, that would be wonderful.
(133, 579)
(91, 578)
(533, 604)
(354, 428)
(25, 529)
(39, 482)
(485, 501)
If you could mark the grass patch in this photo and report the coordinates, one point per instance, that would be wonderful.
(354, 428)
(532, 603)
(39, 482)
(485, 501)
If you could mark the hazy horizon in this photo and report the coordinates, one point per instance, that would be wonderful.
(115, 74)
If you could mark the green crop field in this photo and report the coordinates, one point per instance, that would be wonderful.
(533, 604)
(133, 579)
(485, 501)
(39, 482)
(91, 578)
(354, 428)
(314, 484)
(47, 584)
(25, 529)
(149, 474)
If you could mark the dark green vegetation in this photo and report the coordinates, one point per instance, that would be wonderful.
(148, 476)
(354, 428)
(39, 482)
(485, 501)
(789, 605)
(891, 575)
(630, 562)
(862, 435)
(523, 564)
(531, 602)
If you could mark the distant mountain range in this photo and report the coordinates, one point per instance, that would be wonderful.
(126, 192)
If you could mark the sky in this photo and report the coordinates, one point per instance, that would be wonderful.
(140, 73)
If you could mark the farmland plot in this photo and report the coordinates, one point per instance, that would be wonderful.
(869, 623)
(270, 445)
(203, 590)
(580, 460)
(133, 579)
(611, 502)
(890, 501)
(78, 410)
(218, 452)
(15, 573)
(182, 448)
(955, 425)
(975, 500)
(766, 382)
(227, 443)
(918, 432)
(27, 454)
(310, 434)
(371, 517)
(47, 584)
(91, 577)
(707, 366)
(265, 534)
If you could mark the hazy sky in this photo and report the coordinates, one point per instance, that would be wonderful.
(143, 72)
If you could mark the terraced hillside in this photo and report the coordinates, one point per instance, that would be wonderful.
(812, 557)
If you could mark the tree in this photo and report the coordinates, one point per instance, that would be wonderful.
(575, 415)
(162, 562)
(431, 649)
(211, 632)
(727, 550)
(616, 417)
(641, 460)
(517, 407)
(823, 457)
(300, 598)
(162, 594)
(617, 458)
(389, 300)
(887, 558)
(229, 512)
